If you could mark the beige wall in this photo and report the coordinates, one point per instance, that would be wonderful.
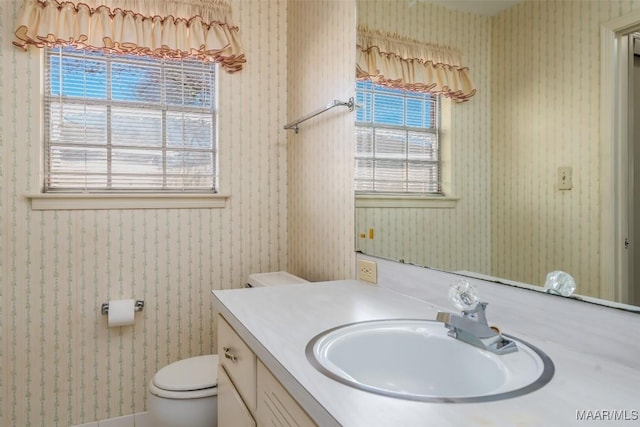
(291, 203)
(450, 239)
(321, 69)
(60, 364)
(291, 207)
(546, 114)
(537, 68)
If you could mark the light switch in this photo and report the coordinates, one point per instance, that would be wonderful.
(565, 181)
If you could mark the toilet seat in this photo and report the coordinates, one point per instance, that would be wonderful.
(191, 378)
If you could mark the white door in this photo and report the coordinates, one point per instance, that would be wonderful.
(633, 242)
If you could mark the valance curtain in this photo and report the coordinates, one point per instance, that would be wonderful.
(390, 60)
(163, 28)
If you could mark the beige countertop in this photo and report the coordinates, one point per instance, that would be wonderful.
(278, 322)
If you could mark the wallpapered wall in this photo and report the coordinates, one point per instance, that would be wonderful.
(61, 365)
(321, 69)
(537, 69)
(546, 114)
(442, 238)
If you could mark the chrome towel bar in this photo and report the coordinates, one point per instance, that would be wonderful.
(335, 103)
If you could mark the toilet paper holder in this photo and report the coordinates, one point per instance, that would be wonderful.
(138, 306)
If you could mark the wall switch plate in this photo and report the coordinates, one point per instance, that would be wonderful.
(565, 180)
(368, 271)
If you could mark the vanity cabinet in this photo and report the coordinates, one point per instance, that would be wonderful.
(248, 391)
(235, 413)
(276, 407)
(239, 362)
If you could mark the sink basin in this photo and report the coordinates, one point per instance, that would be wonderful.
(417, 360)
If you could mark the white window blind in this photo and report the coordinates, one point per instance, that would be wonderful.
(397, 144)
(128, 123)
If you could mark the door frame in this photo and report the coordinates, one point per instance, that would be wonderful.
(614, 143)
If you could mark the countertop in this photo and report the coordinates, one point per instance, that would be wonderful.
(278, 322)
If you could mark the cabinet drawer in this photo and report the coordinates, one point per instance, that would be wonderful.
(276, 407)
(232, 411)
(238, 361)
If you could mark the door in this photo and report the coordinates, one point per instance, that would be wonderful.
(633, 243)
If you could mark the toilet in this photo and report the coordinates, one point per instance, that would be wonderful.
(277, 278)
(185, 393)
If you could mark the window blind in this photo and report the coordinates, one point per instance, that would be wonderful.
(397, 144)
(128, 123)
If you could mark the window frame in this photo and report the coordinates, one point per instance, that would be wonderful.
(383, 114)
(444, 199)
(161, 109)
(41, 201)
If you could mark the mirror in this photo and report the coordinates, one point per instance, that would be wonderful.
(534, 119)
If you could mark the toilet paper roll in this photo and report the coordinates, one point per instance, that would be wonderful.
(121, 312)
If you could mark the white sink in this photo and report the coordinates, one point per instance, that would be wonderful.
(417, 360)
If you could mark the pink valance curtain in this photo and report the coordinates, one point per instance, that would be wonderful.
(390, 60)
(164, 28)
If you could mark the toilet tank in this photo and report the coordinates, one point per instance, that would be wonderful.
(275, 278)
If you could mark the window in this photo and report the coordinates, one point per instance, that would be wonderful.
(118, 123)
(397, 142)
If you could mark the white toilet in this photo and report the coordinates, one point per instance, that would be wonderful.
(185, 392)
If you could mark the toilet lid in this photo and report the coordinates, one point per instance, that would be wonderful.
(194, 373)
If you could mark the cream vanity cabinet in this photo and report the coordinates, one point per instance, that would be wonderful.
(248, 394)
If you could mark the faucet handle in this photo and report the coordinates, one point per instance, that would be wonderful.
(463, 295)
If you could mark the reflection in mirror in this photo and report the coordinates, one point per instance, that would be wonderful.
(524, 177)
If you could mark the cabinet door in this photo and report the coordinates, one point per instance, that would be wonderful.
(239, 362)
(276, 407)
(232, 411)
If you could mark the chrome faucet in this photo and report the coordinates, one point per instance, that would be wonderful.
(471, 325)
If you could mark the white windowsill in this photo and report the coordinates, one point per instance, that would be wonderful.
(91, 201)
(381, 201)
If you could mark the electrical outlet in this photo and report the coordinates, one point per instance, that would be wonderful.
(368, 271)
